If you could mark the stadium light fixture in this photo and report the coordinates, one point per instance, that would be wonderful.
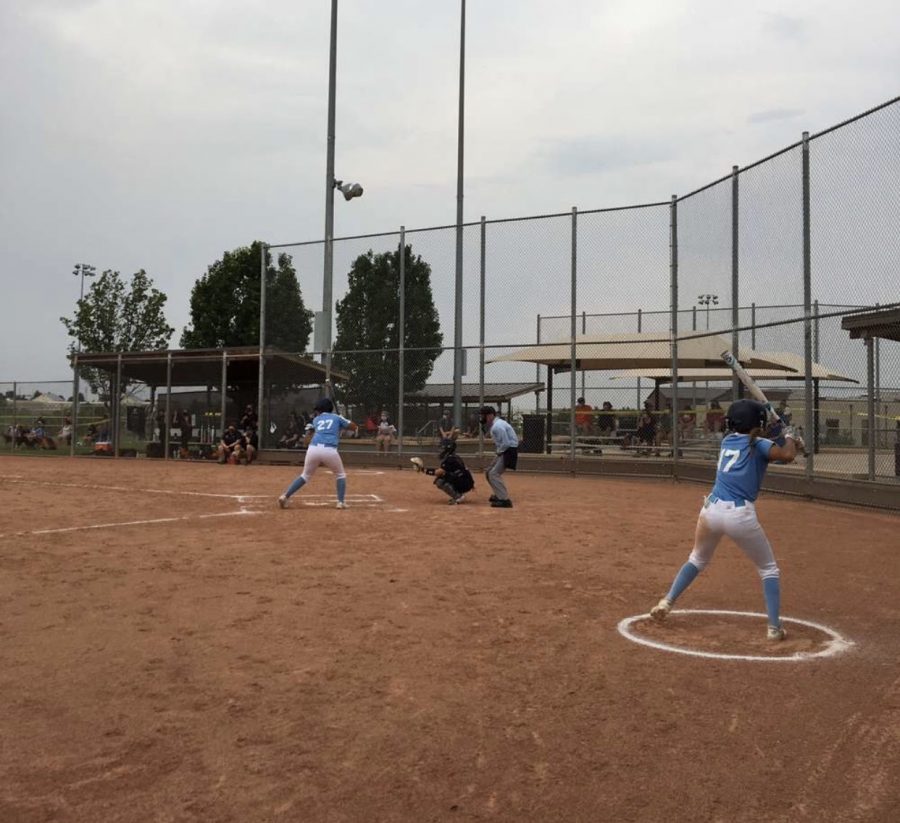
(349, 190)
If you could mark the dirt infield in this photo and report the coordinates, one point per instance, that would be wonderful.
(173, 647)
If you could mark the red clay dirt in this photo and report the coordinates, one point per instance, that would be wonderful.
(405, 660)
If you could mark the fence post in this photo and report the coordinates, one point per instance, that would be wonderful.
(735, 279)
(639, 328)
(870, 402)
(753, 325)
(117, 413)
(815, 430)
(76, 387)
(481, 307)
(261, 380)
(15, 415)
(807, 306)
(673, 270)
(537, 371)
(401, 341)
(166, 425)
(223, 411)
(573, 358)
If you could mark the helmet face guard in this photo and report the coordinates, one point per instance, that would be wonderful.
(448, 447)
(745, 415)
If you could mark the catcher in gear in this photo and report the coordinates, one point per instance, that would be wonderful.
(452, 477)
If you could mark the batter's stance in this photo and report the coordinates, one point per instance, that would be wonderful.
(506, 444)
(322, 439)
(729, 509)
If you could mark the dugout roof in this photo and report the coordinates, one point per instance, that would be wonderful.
(199, 367)
(884, 323)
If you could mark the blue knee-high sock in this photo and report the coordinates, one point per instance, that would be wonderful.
(686, 575)
(341, 488)
(298, 484)
(772, 592)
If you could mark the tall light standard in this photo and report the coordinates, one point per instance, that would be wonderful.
(457, 314)
(349, 190)
(83, 270)
(707, 300)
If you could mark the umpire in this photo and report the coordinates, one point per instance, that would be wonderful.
(506, 443)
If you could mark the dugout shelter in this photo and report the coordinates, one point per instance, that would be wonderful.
(238, 372)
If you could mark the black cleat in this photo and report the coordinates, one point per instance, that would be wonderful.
(502, 504)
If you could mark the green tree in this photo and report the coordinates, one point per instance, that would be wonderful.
(225, 304)
(368, 332)
(118, 316)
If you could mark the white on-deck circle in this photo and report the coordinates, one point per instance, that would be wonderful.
(836, 645)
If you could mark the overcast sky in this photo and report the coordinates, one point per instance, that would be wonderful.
(158, 133)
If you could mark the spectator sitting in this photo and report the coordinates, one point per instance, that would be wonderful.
(686, 423)
(664, 428)
(250, 418)
(646, 429)
(371, 426)
(584, 417)
(784, 412)
(293, 433)
(231, 446)
(39, 436)
(251, 440)
(90, 436)
(607, 423)
(715, 420)
(65, 433)
(474, 427)
(385, 434)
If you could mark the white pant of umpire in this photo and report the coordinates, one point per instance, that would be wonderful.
(494, 476)
(723, 517)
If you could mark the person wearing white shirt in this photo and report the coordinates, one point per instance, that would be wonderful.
(506, 444)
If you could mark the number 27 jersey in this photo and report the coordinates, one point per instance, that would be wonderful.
(741, 467)
(327, 429)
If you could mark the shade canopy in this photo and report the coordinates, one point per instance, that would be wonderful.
(647, 350)
(794, 361)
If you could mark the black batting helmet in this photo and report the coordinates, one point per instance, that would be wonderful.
(744, 415)
(324, 404)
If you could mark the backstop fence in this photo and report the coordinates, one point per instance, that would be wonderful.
(771, 258)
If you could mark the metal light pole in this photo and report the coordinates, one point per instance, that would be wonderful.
(83, 270)
(458, 332)
(329, 198)
(705, 300)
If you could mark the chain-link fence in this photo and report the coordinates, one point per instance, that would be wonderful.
(770, 258)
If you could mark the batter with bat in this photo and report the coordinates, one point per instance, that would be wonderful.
(730, 510)
(322, 440)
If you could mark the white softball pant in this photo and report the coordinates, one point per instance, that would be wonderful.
(740, 524)
(322, 456)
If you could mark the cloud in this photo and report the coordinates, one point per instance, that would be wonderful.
(785, 27)
(771, 115)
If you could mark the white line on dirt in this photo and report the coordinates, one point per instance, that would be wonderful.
(129, 523)
(835, 645)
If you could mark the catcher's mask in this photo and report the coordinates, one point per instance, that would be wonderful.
(324, 404)
(744, 415)
(448, 447)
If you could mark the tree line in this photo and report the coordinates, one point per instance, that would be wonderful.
(119, 315)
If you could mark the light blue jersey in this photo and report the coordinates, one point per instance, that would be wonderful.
(741, 467)
(327, 429)
(503, 435)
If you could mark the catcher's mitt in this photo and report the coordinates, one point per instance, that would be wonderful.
(418, 462)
